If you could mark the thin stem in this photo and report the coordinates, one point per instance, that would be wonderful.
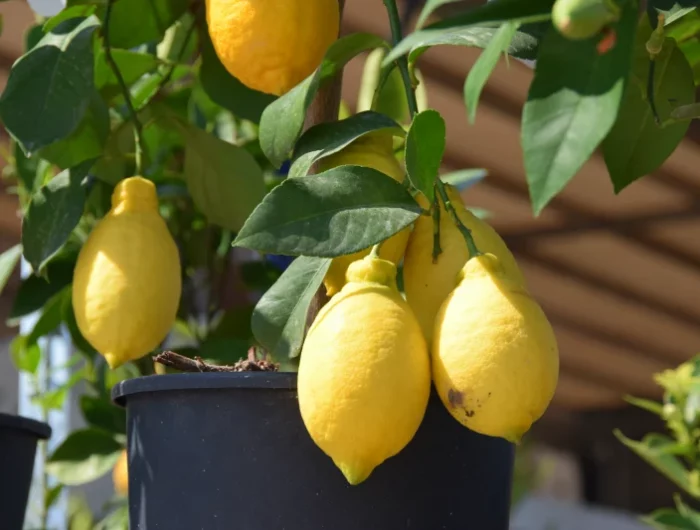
(402, 62)
(466, 233)
(374, 253)
(138, 127)
(437, 250)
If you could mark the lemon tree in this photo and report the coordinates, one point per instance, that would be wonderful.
(227, 111)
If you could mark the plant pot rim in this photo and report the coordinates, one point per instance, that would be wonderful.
(37, 428)
(200, 381)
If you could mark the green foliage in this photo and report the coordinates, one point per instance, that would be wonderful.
(84, 456)
(425, 145)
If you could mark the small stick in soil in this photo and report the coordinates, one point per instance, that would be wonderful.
(185, 364)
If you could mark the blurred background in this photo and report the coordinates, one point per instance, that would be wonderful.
(617, 276)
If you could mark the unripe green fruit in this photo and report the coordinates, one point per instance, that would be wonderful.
(583, 19)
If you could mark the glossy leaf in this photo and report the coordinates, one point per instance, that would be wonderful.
(49, 87)
(35, 291)
(8, 262)
(279, 318)
(53, 213)
(487, 61)
(132, 66)
(425, 146)
(226, 90)
(328, 138)
(103, 414)
(224, 180)
(76, 11)
(283, 120)
(572, 105)
(637, 145)
(135, 22)
(84, 456)
(340, 211)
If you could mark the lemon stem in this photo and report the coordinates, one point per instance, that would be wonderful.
(402, 62)
(138, 127)
(374, 253)
(437, 250)
(466, 233)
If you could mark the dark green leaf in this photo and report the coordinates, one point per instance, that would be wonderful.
(425, 145)
(572, 105)
(8, 262)
(103, 414)
(135, 22)
(52, 495)
(132, 66)
(50, 318)
(279, 318)
(487, 61)
(115, 163)
(340, 211)
(77, 340)
(224, 180)
(687, 512)
(28, 169)
(32, 36)
(282, 120)
(226, 90)
(327, 138)
(35, 291)
(53, 214)
(637, 145)
(84, 143)
(669, 519)
(79, 11)
(84, 456)
(25, 357)
(49, 87)
(464, 178)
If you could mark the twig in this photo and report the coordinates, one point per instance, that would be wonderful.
(138, 127)
(437, 249)
(185, 364)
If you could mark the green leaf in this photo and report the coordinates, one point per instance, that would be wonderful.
(79, 514)
(648, 405)
(77, 339)
(78, 11)
(25, 356)
(55, 399)
(49, 87)
(8, 262)
(135, 22)
(283, 120)
(50, 318)
(487, 61)
(391, 99)
(226, 90)
(340, 211)
(429, 8)
(53, 213)
(669, 519)
(86, 142)
(116, 520)
(30, 171)
(464, 178)
(279, 318)
(687, 512)
(132, 66)
(637, 145)
(53, 495)
(425, 146)
(572, 105)
(673, 10)
(84, 456)
(103, 414)
(35, 291)
(327, 138)
(224, 180)
(492, 13)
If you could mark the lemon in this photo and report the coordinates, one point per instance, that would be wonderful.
(373, 150)
(364, 375)
(126, 285)
(495, 357)
(427, 284)
(272, 45)
(120, 474)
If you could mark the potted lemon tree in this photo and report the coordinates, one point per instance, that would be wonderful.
(375, 362)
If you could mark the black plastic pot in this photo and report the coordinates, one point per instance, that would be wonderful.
(18, 440)
(230, 452)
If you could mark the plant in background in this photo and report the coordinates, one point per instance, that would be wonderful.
(674, 454)
(104, 100)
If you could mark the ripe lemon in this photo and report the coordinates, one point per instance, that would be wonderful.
(120, 474)
(427, 284)
(272, 45)
(495, 357)
(376, 151)
(126, 285)
(364, 375)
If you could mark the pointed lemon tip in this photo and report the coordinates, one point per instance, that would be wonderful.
(353, 474)
(113, 360)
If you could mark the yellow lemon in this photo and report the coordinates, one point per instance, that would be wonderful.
(428, 283)
(126, 285)
(272, 45)
(120, 474)
(495, 357)
(376, 151)
(364, 375)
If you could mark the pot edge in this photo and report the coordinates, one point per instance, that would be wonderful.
(21, 423)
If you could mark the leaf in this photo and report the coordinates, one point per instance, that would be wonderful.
(53, 495)
(103, 414)
(116, 520)
(669, 519)
(425, 146)
(226, 90)
(77, 339)
(283, 120)
(279, 318)
(78, 11)
(464, 178)
(429, 8)
(49, 87)
(35, 291)
(572, 105)
(51, 317)
(53, 213)
(132, 66)
(25, 357)
(8, 262)
(327, 138)
(84, 143)
(84, 456)
(648, 405)
(637, 145)
(391, 99)
(487, 61)
(55, 399)
(492, 13)
(337, 212)
(135, 22)
(224, 180)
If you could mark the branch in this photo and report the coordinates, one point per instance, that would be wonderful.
(185, 364)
